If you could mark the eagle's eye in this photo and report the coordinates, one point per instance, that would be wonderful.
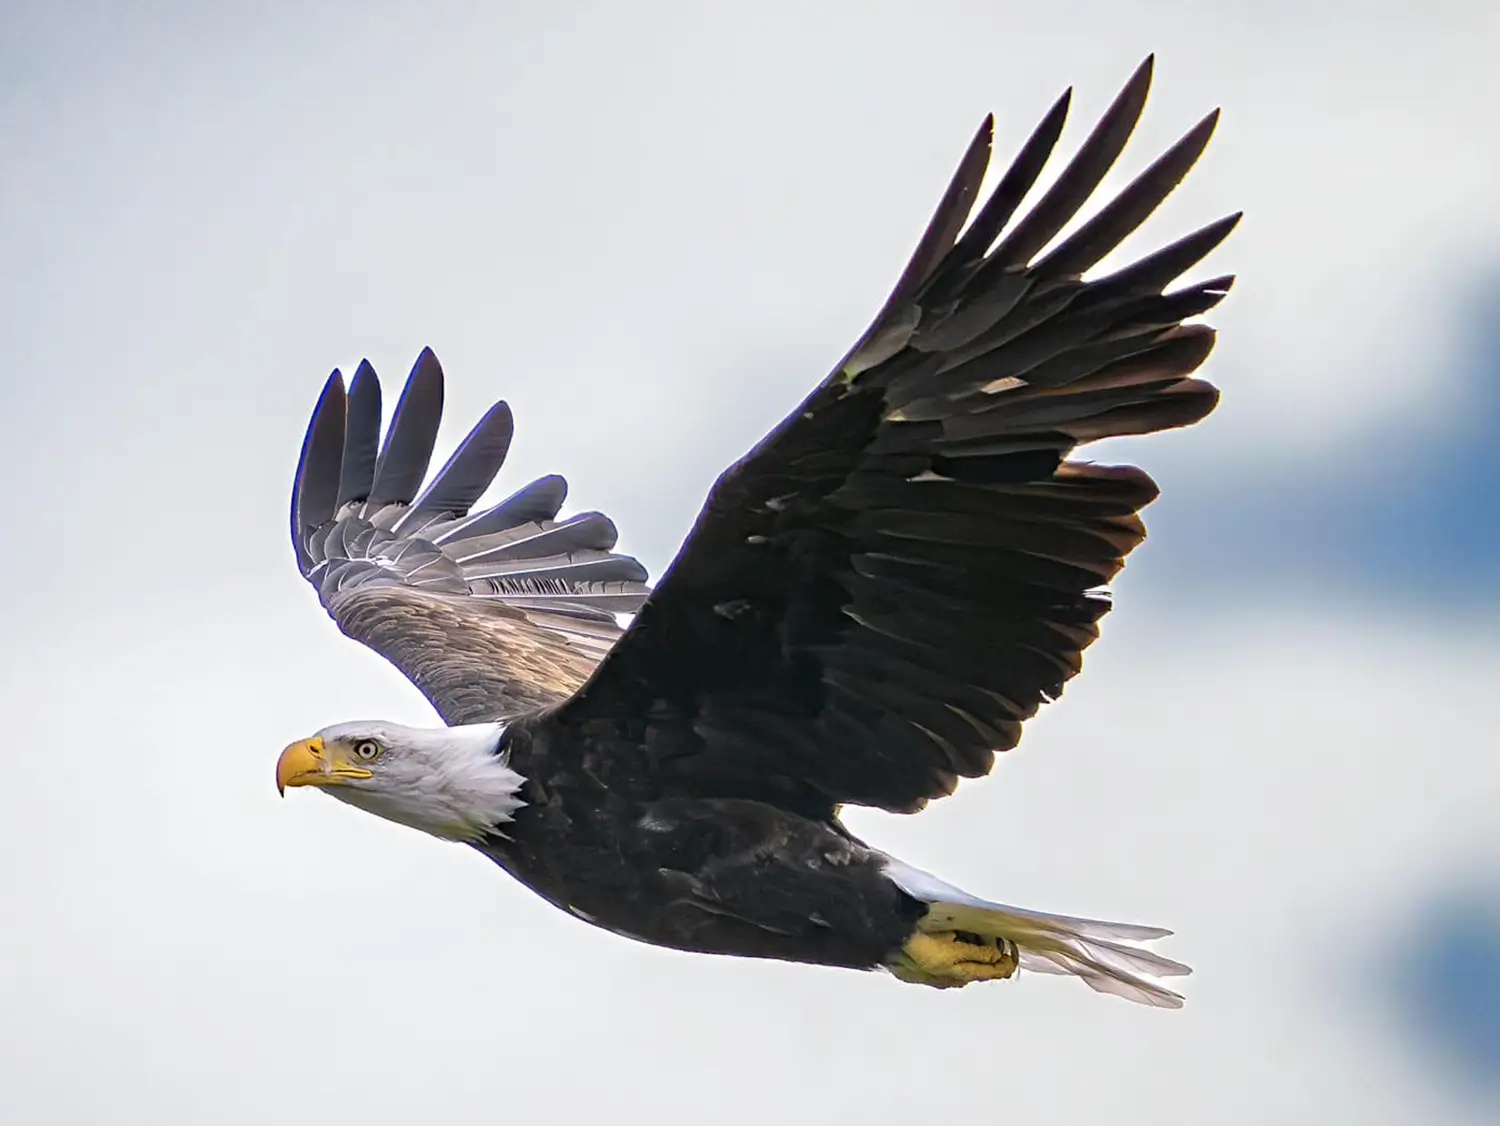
(366, 749)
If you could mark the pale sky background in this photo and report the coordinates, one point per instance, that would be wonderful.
(652, 227)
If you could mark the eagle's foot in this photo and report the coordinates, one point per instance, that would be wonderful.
(949, 958)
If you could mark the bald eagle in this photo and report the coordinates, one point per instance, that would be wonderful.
(870, 604)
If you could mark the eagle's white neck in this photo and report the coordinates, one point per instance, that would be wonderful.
(446, 781)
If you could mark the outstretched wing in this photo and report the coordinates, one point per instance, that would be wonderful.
(874, 599)
(489, 613)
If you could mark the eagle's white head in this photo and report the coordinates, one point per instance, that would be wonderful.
(452, 782)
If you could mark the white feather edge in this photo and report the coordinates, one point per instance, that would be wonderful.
(1091, 949)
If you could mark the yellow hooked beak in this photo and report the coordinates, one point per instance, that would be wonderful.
(308, 762)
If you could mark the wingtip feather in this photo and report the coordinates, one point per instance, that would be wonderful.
(409, 441)
(315, 487)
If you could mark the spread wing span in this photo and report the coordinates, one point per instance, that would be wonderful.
(489, 613)
(875, 597)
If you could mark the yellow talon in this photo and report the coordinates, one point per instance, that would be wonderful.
(944, 960)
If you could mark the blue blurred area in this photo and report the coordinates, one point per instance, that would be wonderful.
(1449, 997)
(1412, 516)
(1423, 515)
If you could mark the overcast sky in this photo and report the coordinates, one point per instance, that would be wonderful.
(651, 228)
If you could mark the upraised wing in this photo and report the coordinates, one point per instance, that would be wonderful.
(874, 599)
(489, 613)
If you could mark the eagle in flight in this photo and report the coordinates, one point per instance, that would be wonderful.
(871, 603)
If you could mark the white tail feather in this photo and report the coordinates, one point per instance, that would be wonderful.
(1090, 949)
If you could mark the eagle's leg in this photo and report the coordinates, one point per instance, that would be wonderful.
(951, 958)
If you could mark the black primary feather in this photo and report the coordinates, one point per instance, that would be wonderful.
(467, 474)
(410, 437)
(539, 501)
(362, 437)
(1083, 174)
(315, 491)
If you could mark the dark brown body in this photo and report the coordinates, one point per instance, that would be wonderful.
(709, 875)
